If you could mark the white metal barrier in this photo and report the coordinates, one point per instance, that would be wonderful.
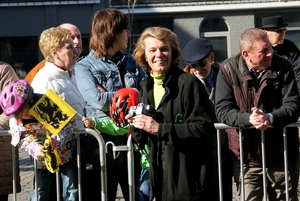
(130, 161)
(220, 126)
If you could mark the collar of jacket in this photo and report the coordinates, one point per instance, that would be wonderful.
(168, 81)
(244, 70)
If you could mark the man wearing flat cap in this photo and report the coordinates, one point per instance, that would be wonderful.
(198, 56)
(275, 28)
(199, 59)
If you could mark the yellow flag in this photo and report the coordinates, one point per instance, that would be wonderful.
(51, 157)
(52, 111)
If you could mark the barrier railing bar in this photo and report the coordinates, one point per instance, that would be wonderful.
(130, 165)
(286, 163)
(79, 168)
(58, 191)
(14, 173)
(102, 158)
(219, 165)
(264, 164)
(35, 179)
(242, 164)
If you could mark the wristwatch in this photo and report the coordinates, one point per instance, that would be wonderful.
(270, 117)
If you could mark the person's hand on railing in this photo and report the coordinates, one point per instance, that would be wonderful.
(259, 119)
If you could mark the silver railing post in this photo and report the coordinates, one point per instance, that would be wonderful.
(102, 158)
(130, 165)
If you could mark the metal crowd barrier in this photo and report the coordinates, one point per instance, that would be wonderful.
(102, 158)
(220, 126)
(130, 152)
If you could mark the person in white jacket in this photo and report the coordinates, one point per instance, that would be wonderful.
(57, 46)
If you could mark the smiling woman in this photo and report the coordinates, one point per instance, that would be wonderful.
(181, 126)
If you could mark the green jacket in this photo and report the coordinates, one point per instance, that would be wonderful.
(145, 158)
(107, 126)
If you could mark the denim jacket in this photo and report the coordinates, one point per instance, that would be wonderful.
(91, 72)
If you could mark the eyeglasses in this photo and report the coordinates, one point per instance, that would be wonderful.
(279, 31)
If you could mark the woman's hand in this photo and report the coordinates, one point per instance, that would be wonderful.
(143, 122)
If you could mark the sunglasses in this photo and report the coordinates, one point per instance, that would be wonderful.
(279, 31)
(201, 64)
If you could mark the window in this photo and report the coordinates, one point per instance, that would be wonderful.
(140, 24)
(215, 29)
(293, 35)
(20, 52)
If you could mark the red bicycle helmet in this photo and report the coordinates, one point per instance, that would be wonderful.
(14, 96)
(122, 100)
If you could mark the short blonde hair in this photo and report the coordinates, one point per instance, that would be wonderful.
(52, 38)
(160, 33)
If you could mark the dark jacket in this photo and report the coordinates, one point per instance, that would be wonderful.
(276, 93)
(7, 75)
(290, 51)
(181, 154)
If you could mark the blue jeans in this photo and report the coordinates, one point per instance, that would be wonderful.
(144, 186)
(68, 175)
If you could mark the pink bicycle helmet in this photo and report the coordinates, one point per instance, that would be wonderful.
(15, 95)
(122, 100)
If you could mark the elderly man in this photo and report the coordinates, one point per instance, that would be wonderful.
(257, 88)
(275, 28)
(199, 56)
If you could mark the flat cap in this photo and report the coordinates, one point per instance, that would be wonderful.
(272, 22)
(196, 50)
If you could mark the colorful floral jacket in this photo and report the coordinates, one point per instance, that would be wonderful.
(33, 135)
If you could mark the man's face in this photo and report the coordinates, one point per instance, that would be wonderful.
(76, 36)
(276, 35)
(260, 57)
(202, 69)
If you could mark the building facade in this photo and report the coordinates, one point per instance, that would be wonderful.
(221, 21)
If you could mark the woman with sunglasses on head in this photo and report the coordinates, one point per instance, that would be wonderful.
(199, 57)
